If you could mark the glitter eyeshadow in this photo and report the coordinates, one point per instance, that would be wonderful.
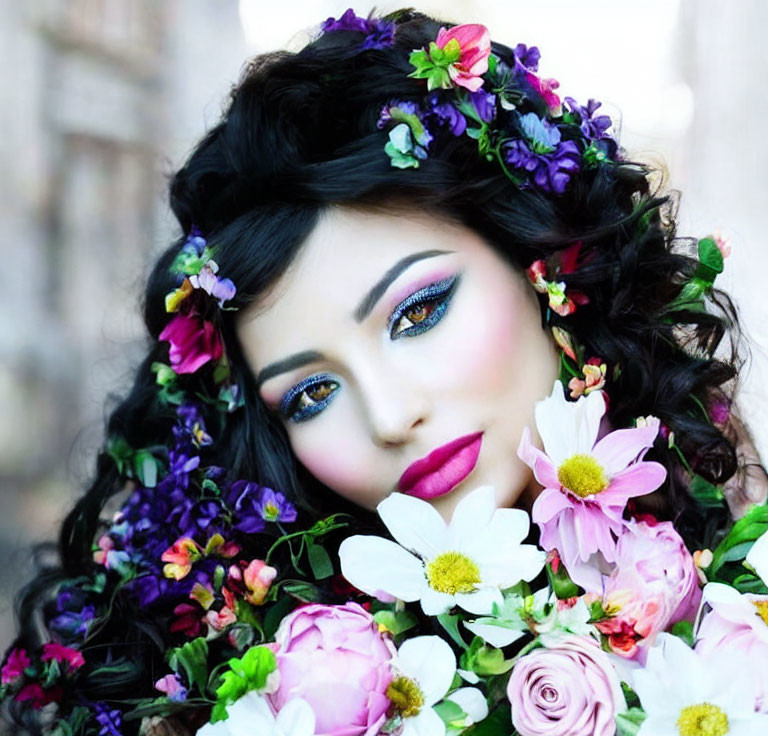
(441, 290)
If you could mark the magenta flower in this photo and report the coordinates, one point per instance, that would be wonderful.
(14, 666)
(60, 653)
(193, 342)
(475, 43)
(587, 482)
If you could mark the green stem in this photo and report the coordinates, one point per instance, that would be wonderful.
(279, 541)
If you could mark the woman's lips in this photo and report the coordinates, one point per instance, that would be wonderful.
(443, 469)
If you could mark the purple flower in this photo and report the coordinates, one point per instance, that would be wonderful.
(594, 128)
(446, 114)
(484, 103)
(210, 283)
(528, 57)
(110, 720)
(243, 499)
(274, 506)
(551, 161)
(380, 33)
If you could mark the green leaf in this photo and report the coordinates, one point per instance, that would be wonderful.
(396, 621)
(219, 713)
(451, 624)
(747, 529)
(710, 260)
(684, 630)
(485, 660)
(145, 466)
(450, 712)
(628, 724)
(561, 582)
(707, 494)
(319, 561)
(749, 583)
(193, 657)
(276, 614)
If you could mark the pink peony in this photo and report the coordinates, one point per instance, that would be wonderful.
(335, 658)
(737, 624)
(193, 341)
(475, 44)
(14, 666)
(569, 689)
(587, 482)
(653, 586)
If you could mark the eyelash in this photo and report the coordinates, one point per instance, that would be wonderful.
(437, 295)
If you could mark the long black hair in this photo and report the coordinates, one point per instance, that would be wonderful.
(299, 135)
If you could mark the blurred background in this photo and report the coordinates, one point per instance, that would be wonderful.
(102, 99)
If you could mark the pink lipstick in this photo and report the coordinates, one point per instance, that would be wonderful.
(443, 469)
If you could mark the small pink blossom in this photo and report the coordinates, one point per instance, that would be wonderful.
(587, 482)
(594, 371)
(172, 686)
(219, 620)
(475, 43)
(37, 696)
(194, 342)
(14, 666)
(60, 653)
(258, 576)
(567, 689)
(723, 243)
(546, 88)
(180, 557)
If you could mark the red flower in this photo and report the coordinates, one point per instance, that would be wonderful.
(14, 667)
(475, 43)
(39, 697)
(193, 341)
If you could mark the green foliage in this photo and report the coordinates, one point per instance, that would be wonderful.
(485, 660)
(706, 494)
(140, 464)
(249, 672)
(397, 622)
(433, 65)
(497, 723)
(192, 657)
(628, 723)
(684, 630)
(561, 582)
(450, 622)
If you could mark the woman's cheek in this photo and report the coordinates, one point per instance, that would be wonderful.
(336, 454)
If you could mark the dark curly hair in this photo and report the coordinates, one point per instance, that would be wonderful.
(298, 136)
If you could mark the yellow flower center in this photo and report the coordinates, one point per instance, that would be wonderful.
(704, 719)
(405, 696)
(452, 572)
(762, 609)
(582, 475)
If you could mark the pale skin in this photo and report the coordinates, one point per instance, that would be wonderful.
(388, 394)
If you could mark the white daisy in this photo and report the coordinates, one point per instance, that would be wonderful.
(425, 667)
(686, 694)
(252, 715)
(466, 563)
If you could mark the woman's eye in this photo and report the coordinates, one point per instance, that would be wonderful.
(308, 398)
(423, 309)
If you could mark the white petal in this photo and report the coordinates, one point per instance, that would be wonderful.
(414, 523)
(555, 425)
(496, 636)
(431, 662)
(471, 701)
(251, 714)
(720, 593)
(296, 718)
(424, 723)
(214, 729)
(471, 515)
(591, 408)
(469, 676)
(434, 603)
(375, 565)
(758, 557)
(510, 524)
(480, 601)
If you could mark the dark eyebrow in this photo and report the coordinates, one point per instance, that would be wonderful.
(369, 300)
(289, 364)
(361, 312)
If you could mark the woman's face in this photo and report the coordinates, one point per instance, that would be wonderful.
(402, 353)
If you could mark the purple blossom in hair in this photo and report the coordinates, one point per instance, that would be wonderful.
(195, 243)
(528, 57)
(543, 154)
(243, 499)
(484, 103)
(221, 289)
(274, 506)
(446, 114)
(593, 127)
(379, 33)
(110, 719)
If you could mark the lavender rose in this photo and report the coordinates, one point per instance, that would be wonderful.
(335, 658)
(569, 689)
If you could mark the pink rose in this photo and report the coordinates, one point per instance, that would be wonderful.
(569, 689)
(335, 658)
(193, 342)
(475, 44)
(654, 585)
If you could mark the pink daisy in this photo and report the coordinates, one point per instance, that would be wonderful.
(587, 482)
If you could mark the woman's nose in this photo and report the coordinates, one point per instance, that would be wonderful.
(394, 405)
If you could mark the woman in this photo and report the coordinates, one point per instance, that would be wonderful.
(395, 241)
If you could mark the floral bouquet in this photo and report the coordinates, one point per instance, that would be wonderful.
(446, 628)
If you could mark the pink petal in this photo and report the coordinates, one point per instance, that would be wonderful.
(636, 480)
(543, 467)
(548, 504)
(617, 449)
